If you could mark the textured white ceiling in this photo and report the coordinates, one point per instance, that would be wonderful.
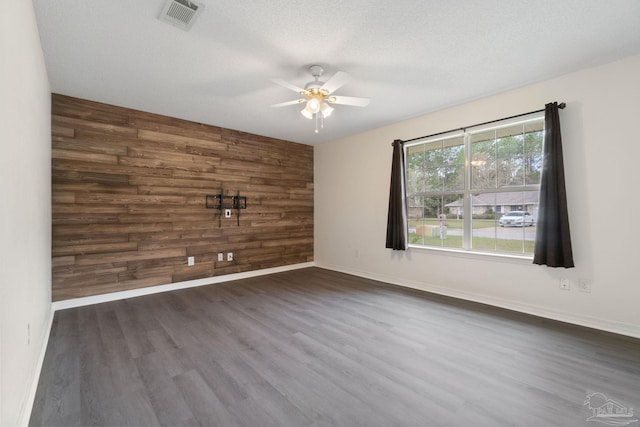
(409, 57)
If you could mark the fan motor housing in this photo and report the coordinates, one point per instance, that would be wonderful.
(316, 84)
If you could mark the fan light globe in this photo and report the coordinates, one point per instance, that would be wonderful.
(326, 110)
(313, 105)
(307, 114)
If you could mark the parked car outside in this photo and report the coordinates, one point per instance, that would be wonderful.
(517, 219)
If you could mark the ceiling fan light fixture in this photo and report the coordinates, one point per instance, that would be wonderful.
(326, 110)
(318, 97)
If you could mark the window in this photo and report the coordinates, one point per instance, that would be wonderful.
(477, 190)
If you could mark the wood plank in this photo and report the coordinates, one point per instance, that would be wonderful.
(192, 245)
(123, 142)
(106, 128)
(186, 191)
(181, 139)
(65, 210)
(76, 271)
(84, 109)
(94, 259)
(94, 248)
(95, 146)
(179, 161)
(109, 229)
(198, 271)
(170, 125)
(67, 219)
(57, 130)
(92, 239)
(198, 235)
(125, 199)
(71, 176)
(128, 198)
(61, 261)
(213, 177)
(152, 264)
(153, 217)
(146, 272)
(103, 168)
(63, 197)
(83, 156)
(171, 182)
(88, 280)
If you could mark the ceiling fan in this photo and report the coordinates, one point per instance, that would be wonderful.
(317, 95)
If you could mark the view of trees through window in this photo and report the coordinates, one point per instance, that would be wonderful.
(491, 173)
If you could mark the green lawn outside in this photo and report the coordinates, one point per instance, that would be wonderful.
(454, 223)
(479, 243)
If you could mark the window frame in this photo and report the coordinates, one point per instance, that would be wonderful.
(467, 190)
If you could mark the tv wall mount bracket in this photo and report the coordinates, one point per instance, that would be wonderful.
(224, 202)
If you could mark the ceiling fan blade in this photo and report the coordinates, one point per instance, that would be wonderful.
(284, 104)
(336, 81)
(349, 100)
(288, 85)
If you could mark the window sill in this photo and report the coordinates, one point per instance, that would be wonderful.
(485, 256)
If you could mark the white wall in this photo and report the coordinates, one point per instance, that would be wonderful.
(25, 213)
(602, 152)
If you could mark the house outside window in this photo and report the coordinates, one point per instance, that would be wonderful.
(488, 172)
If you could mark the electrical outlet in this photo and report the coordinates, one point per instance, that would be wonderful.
(220, 256)
(227, 213)
(229, 256)
(191, 261)
(584, 285)
(565, 284)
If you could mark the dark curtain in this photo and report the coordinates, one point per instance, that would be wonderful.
(553, 240)
(397, 217)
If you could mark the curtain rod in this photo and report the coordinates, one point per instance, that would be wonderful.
(561, 106)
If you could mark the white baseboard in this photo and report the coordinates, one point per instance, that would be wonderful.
(115, 296)
(31, 397)
(590, 322)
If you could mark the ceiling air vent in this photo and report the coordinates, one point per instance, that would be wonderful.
(181, 13)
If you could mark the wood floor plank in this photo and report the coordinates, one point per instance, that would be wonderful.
(168, 403)
(314, 347)
(203, 402)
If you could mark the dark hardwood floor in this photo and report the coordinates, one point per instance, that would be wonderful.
(314, 347)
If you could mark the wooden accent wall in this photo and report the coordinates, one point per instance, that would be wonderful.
(129, 199)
